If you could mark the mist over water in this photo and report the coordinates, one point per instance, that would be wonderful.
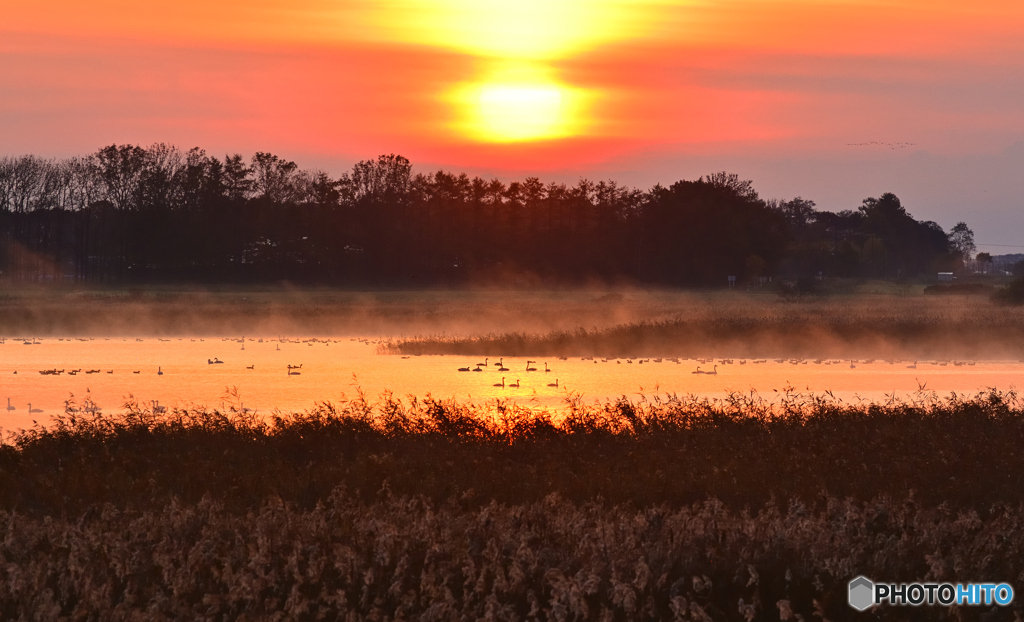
(175, 312)
(295, 312)
(599, 345)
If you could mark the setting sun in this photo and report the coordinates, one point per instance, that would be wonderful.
(513, 112)
(518, 102)
(520, 112)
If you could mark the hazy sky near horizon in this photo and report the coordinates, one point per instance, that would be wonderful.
(832, 100)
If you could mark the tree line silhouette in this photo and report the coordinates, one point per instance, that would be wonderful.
(128, 214)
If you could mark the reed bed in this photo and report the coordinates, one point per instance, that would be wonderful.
(408, 558)
(830, 334)
(744, 450)
(686, 508)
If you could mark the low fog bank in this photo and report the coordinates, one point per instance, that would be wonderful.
(820, 338)
(299, 312)
(622, 323)
(885, 326)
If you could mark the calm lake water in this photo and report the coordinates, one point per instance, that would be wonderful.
(331, 369)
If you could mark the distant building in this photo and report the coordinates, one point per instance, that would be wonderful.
(945, 276)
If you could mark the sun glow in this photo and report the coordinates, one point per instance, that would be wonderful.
(519, 97)
(519, 29)
(520, 103)
(514, 112)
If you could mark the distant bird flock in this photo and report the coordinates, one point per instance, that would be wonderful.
(878, 143)
(529, 367)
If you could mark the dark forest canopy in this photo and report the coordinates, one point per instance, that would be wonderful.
(128, 214)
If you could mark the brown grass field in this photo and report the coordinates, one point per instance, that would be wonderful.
(679, 510)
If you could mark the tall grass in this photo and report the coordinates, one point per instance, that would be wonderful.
(678, 508)
(742, 450)
(401, 557)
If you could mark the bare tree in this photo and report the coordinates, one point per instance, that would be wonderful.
(387, 176)
(237, 178)
(275, 179)
(742, 188)
(961, 239)
(121, 168)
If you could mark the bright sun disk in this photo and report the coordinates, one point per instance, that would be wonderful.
(514, 113)
(517, 103)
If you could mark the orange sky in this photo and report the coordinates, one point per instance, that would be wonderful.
(642, 91)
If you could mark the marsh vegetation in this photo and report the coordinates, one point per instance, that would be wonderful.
(671, 508)
(879, 325)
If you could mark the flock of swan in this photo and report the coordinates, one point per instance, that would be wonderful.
(486, 365)
(292, 370)
(852, 363)
(501, 367)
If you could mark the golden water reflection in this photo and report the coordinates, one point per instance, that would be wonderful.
(330, 369)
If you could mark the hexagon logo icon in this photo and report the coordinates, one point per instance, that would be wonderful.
(861, 593)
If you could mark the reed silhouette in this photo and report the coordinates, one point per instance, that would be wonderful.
(424, 505)
(858, 327)
(743, 449)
